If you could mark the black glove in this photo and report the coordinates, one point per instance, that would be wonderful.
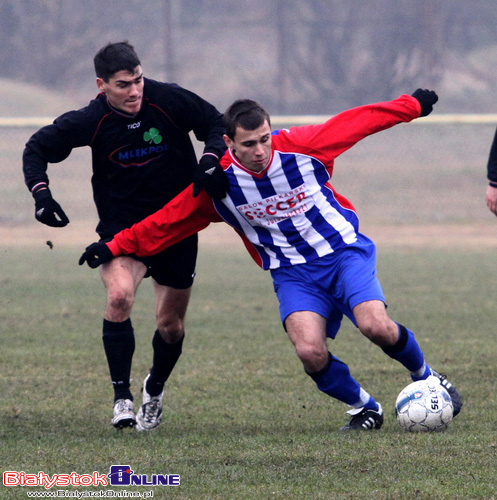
(96, 254)
(47, 210)
(210, 176)
(427, 98)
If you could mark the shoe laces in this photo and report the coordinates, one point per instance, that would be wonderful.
(443, 380)
(122, 405)
(152, 409)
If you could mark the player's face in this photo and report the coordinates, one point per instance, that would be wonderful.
(124, 90)
(252, 147)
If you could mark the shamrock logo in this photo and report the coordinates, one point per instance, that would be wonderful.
(152, 136)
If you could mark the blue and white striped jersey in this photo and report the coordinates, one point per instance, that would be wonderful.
(290, 214)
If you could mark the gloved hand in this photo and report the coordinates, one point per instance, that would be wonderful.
(210, 176)
(96, 254)
(427, 98)
(47, 210)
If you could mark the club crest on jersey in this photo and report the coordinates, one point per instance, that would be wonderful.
(276, 208)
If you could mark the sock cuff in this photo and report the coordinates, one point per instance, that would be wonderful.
(401, 342)
(326, 367)
(114, 327)
(159, 342)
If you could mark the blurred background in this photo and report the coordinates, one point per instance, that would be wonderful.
(316, 57)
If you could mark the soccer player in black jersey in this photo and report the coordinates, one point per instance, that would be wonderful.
(142, 157)
(491, 193)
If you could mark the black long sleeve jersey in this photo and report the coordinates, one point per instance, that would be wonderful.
(139, 162)
(492, 161)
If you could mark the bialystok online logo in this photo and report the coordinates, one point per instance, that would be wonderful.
(122, 475)
(119, 475)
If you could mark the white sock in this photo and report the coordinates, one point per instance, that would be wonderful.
(421, 374)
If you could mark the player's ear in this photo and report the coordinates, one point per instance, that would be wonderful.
(100, 84)
(229, 143)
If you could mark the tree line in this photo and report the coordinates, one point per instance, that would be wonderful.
(295, 57)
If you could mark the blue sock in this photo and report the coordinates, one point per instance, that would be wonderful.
(406, 351)
(336, 381)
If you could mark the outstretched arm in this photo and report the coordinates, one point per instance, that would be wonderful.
(183, 216)
(328, 140)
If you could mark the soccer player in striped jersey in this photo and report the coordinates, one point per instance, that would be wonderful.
(295, 224)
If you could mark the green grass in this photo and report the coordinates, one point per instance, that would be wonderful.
(242, 420)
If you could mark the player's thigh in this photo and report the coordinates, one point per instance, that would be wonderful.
(306, 327)
(122, 274)
(171, 305)
(374, 323)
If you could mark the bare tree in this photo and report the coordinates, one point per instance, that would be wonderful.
(345, 54)
(317, 56)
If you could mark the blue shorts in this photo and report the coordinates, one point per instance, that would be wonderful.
(330, 286)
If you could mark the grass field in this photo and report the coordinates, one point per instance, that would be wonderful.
(242, 420)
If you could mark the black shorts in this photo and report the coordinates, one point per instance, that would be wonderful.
(174, 266)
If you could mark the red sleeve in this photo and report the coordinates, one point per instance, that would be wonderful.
(183, 216)
(328, 140)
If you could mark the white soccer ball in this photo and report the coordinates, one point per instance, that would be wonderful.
(424, 406)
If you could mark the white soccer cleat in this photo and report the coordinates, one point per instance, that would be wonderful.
(124, 414)
(150, 413)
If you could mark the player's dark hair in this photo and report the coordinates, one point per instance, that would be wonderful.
(115, 57)
(246, 114)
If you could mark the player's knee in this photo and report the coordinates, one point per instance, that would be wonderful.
(171, 328)
(312, 356)
(120, 301)
(379, 330)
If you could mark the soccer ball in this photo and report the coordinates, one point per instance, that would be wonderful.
(424, 406)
